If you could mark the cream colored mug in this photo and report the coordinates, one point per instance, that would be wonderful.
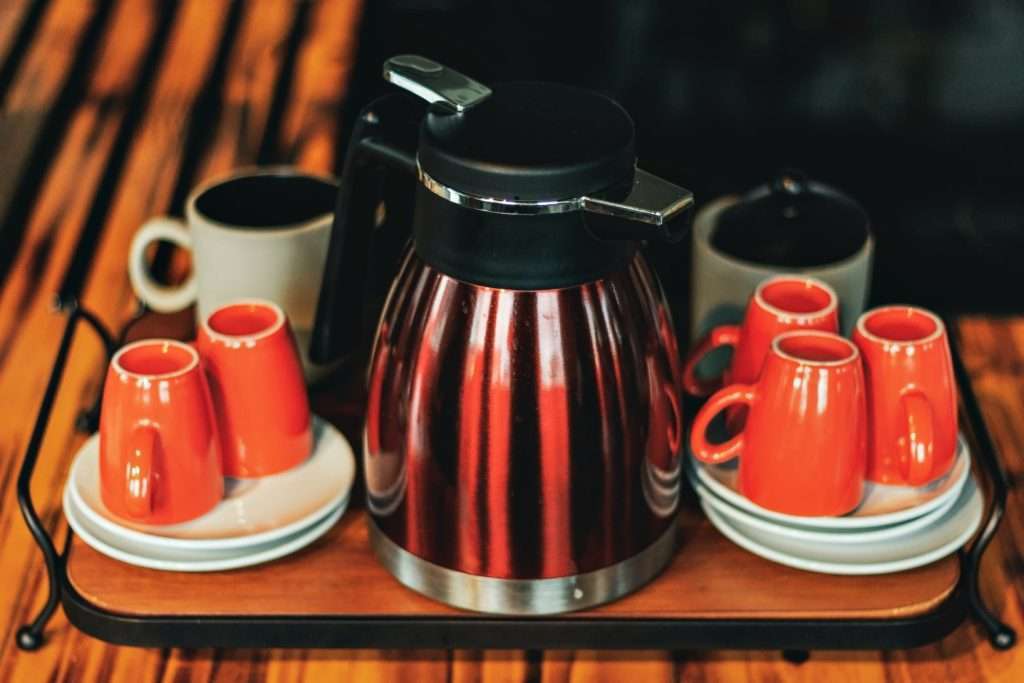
(721, 283)
(259, 233)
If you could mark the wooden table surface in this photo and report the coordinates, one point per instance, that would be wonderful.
(110, 111)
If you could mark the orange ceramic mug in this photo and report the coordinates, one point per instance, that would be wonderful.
(160, 458)
(779, 304)
(912, 415)
(804, 445)
(258, 390)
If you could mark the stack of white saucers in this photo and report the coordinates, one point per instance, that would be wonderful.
(894, 528)
(257, 521)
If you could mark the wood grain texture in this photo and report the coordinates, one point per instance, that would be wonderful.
(19, 20)
(308, 133)
(710, 578)
(92, 180)
(247, 91)
(39, 76)
(32, 89)
(11, 15)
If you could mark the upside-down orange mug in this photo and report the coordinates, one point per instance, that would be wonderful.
(779, 304)
(160, 460)
(259, 394)
(803, 448)
(912, 418)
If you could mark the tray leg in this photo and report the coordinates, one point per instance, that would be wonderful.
(1000, 635)
(30, 636)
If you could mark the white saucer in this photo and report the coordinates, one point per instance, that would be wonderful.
(882, 505)
(781, 530)
(931, 543)
(254, 511)
(193, 561)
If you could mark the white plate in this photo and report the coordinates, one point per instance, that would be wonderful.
(253, 512)
(770, 528)
(180, 560)
(882, 505)
(934, 542)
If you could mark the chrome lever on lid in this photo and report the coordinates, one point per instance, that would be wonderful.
(434, 82)
(651, 200)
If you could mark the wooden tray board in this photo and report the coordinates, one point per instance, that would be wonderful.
(710, 578)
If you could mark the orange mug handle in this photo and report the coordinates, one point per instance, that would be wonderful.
(138, 471)
(920, 437)
(723, 335)
(702, 449)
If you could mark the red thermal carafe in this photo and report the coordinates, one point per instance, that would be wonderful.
(523, 422)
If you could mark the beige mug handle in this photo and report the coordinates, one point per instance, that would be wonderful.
(156, 296)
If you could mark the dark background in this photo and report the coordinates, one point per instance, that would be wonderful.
(916, 109)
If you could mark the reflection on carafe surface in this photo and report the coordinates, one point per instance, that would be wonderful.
(516, 433)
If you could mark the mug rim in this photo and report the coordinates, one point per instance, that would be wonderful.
(831, 336)
(702, 234)
(932, 336)
(192, 212)
(831, 307)
(115, 361)
(226, 338)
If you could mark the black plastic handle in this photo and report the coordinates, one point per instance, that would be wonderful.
(384, 139)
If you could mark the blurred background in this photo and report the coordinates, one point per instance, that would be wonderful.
(915, 109)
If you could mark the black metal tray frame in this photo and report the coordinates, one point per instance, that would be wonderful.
(481, 632)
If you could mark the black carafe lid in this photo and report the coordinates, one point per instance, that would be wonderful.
(524, 186)
(531, 141)
(532, 149)
(538, 180)
(792, 222)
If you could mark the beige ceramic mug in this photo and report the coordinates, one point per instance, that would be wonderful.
(259, 233)
(721, 283)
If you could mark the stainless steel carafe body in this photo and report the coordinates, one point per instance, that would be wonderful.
(523, 424)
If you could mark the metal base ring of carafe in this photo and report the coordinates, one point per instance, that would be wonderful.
(523, 596)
